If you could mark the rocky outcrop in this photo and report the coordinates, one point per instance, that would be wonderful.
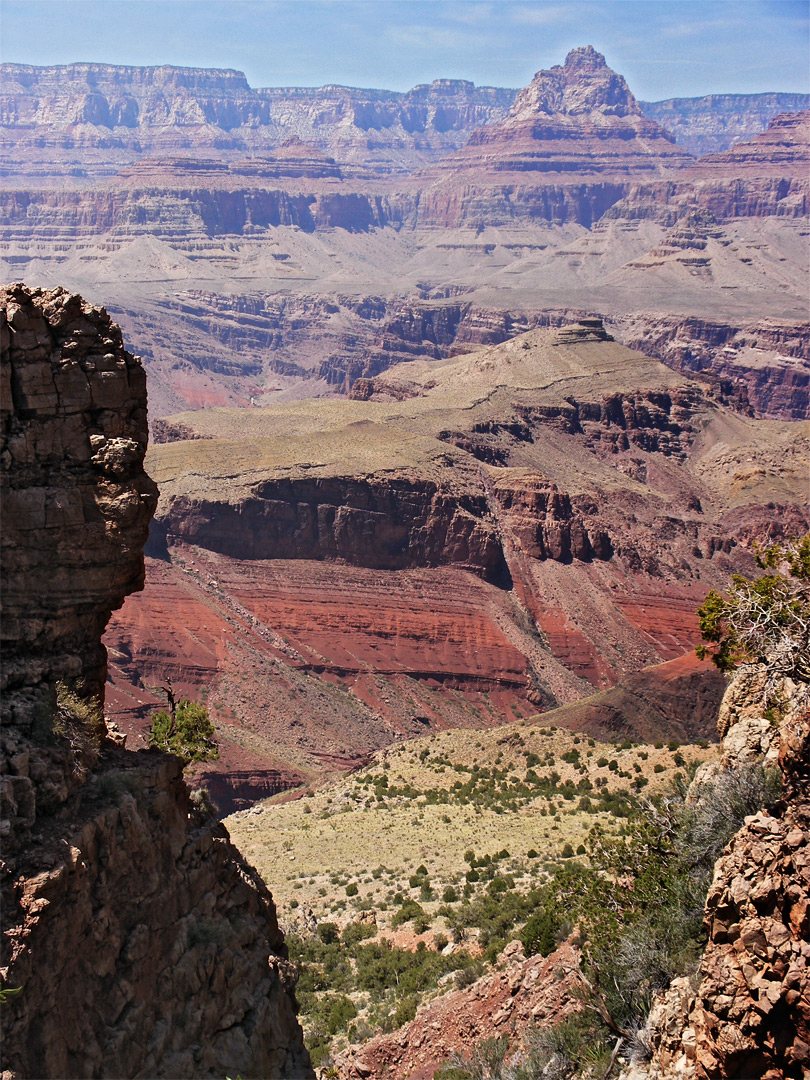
(578, 117)
(568, 150)
(783, 144)
(140, 941)
(764, 177)
(385, 523)
(752, 1014)
(749, 1015)
(516, 996)
(77, 502)
(712, 124)
(165, 937)
(766, 359)
(544, 524)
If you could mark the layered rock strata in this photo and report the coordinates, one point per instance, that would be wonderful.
(141, 943)
(92, 117)
(513, 528)
(712, 124)
(77, 502)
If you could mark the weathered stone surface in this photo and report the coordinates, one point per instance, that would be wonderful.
(76, 501)
(517, 995)
(143, 944)
(750, 1014)
(95, 114)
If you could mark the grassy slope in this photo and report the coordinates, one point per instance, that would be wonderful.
(357, 833)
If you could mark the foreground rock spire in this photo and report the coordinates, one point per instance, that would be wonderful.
(138, 941)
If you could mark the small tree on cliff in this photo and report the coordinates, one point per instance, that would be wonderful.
(766, 620)
(185, 730)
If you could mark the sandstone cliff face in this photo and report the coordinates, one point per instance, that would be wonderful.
(383, 523)
(142, 943)
(765, 360)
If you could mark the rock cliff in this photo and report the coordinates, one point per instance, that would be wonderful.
(712, 124)
(90, 118)
(77, 502)
(749, 1014)
(519, 525)
(139, 941)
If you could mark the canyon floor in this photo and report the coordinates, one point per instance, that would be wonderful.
(406, 852)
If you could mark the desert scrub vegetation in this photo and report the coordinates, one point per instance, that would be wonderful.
(79, 722)
(765, 620)
(350, 987)
(405, 803)
(637, 905)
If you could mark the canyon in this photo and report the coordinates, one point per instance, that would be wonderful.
(459, 541)
(253, 244)
(266, 249)
(460, 402)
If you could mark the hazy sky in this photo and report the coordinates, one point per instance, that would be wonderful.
(664, 48)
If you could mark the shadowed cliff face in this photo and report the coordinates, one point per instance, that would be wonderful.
(77, 502)
(143, 944)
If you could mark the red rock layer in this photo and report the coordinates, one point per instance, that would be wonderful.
(274, 646)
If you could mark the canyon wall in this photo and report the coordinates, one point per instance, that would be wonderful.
(139, 941)
(88, 119)
(83, 119)
(711, 124)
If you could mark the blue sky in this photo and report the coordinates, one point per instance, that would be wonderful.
(664, 48)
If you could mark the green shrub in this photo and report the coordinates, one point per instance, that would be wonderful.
(328, 932)
(408, 911)
(185, 731)
(351, 889)
(540, 932)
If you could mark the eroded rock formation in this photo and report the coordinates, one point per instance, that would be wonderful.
(749, 1015)
(517, 995)
(77, 502)
(141, 942)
